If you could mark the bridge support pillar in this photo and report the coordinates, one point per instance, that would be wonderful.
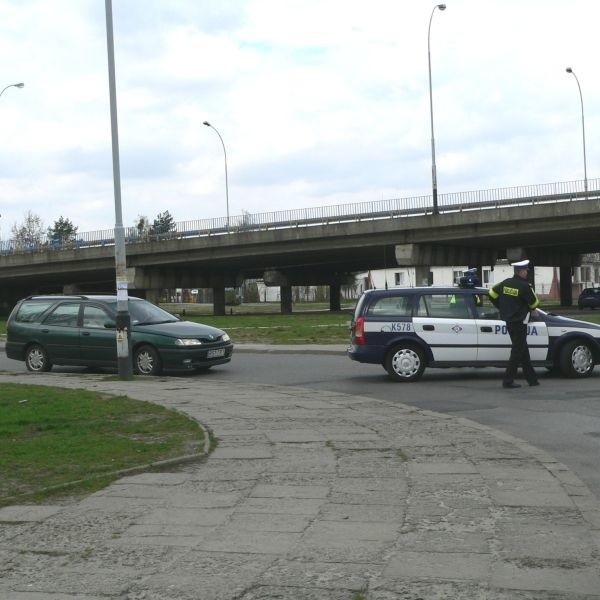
(422, 275)
(219, 300)
(566, 288)
(152, 295)
(286, 299)
(9, 297)
(335, 290)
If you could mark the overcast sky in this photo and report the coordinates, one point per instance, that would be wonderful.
(318, 102)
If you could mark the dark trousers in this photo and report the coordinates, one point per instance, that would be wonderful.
(519, 353)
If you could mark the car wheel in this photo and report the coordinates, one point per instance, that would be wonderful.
(405, 363)
(36, 359)
(577, 359)
(146, 361)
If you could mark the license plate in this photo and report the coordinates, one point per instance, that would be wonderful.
(215, 353)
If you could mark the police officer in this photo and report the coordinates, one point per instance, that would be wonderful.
(516, 300)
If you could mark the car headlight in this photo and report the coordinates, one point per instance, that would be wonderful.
(188, 342)
(225, 337)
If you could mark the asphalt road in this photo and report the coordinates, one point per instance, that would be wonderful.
(561, 416)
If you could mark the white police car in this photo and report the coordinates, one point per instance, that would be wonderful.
(409, 329)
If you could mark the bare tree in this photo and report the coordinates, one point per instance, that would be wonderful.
(29, 234)
(143, 227)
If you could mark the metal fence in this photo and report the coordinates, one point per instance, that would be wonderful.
(564, 191)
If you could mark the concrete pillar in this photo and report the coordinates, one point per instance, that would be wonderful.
(9, 298)
(566, 289)
(152, 295)
(218, 300)
(422, 275)
(286, 299)
(335, 290)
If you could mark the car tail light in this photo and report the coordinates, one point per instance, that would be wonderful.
(359, 331)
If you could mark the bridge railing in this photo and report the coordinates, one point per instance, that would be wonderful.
(324, 215)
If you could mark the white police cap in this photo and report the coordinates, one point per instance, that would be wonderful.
(522, 264)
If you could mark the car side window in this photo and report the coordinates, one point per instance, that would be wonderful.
(448, 306)
(391, 306)
(485, 308)
(65, 315)
(94, 316)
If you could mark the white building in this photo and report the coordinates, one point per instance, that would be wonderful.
(546, 279)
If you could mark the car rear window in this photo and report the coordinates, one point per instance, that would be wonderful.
(391, 306)
(31, 311)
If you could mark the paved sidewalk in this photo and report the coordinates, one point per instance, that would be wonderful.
(312, 496)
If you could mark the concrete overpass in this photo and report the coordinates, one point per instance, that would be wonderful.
(550, 225)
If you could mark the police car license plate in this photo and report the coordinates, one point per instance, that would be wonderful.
(215, 353)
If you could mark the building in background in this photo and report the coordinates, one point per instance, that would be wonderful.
(546, 279)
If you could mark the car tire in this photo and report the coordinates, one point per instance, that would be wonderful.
(36, 359)
(576, 359)
(405, 363)
(146, 361)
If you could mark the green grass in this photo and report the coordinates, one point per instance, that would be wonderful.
(317, 328)
(74, 441)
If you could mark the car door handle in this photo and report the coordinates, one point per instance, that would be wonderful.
(428, 328)
(45, 330)
(85, 333)
(486, 329)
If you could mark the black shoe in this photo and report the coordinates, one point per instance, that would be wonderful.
(511, 385)
(532, 383)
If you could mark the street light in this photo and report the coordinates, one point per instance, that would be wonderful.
(123, 317)
(226, 183)
(433, 169)
(17, 85)
(585, 180)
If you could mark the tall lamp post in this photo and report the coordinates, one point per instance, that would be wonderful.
(433, 169)
(585, 179)
(17, 85)
(123, 320)
(226, 183)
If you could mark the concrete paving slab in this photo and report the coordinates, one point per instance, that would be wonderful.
(442, 565)
(27, 513)
(325, 576)
(564, 579)
(289, 491)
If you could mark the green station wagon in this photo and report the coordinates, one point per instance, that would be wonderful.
(80, 330)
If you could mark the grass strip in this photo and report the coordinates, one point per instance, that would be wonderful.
(54, 438)
(324, 328)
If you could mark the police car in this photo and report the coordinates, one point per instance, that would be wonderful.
(409, 329)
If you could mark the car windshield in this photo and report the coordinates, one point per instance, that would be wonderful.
(145, 313)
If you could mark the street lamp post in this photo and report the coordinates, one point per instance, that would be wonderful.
(585, 179)
(433, 168)
(226, 183)
(123, 320)
(17, 85)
